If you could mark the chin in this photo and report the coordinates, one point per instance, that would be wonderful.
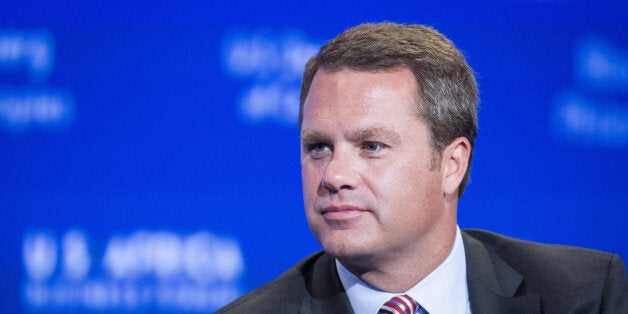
(347, 248)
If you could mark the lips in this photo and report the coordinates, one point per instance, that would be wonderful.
(344, 212)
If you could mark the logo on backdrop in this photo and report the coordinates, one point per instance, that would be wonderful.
(145, 270)
(270, 65)
(596, 111)
(26, 61)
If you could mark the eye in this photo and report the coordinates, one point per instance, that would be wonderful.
(319, 147)
(373, 146)
(317, 150)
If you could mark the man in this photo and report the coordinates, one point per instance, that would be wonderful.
(388, 120)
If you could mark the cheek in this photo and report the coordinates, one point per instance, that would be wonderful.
(409, 187)
(310, 179)
(394, 179)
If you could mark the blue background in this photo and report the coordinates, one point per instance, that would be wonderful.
(157, 138)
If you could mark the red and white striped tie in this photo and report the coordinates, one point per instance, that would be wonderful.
(401, 304)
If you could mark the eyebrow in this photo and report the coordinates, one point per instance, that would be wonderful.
(309, 136)
(356, 136)
(361, 135)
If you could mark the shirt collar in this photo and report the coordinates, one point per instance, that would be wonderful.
(444, 290)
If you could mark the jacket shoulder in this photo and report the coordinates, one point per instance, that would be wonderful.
(535, 255)
(284, 294)
(561, 273)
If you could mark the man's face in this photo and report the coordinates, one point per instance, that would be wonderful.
(368, 188)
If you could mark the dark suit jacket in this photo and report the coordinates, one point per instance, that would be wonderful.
(504, 275)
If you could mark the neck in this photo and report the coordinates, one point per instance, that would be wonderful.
(398, 272)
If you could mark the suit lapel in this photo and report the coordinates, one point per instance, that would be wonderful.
(325, 291)
(493, 284)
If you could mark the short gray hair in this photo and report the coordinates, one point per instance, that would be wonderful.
(448, 91)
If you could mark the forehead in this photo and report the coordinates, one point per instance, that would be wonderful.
(387, 94)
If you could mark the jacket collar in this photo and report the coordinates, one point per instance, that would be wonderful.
(493, 284)
(325, 292)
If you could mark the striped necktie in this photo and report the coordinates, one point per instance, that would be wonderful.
(401, 304)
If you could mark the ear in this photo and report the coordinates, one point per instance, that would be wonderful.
(454, 164)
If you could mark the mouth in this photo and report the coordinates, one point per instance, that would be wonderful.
(339, 213)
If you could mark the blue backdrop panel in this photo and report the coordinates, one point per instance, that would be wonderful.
(149, 155)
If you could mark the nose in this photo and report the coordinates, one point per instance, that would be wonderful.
(341, 173)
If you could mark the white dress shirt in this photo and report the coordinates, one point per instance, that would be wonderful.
(443, 291)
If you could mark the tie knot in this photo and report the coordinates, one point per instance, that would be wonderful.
(400, 304)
